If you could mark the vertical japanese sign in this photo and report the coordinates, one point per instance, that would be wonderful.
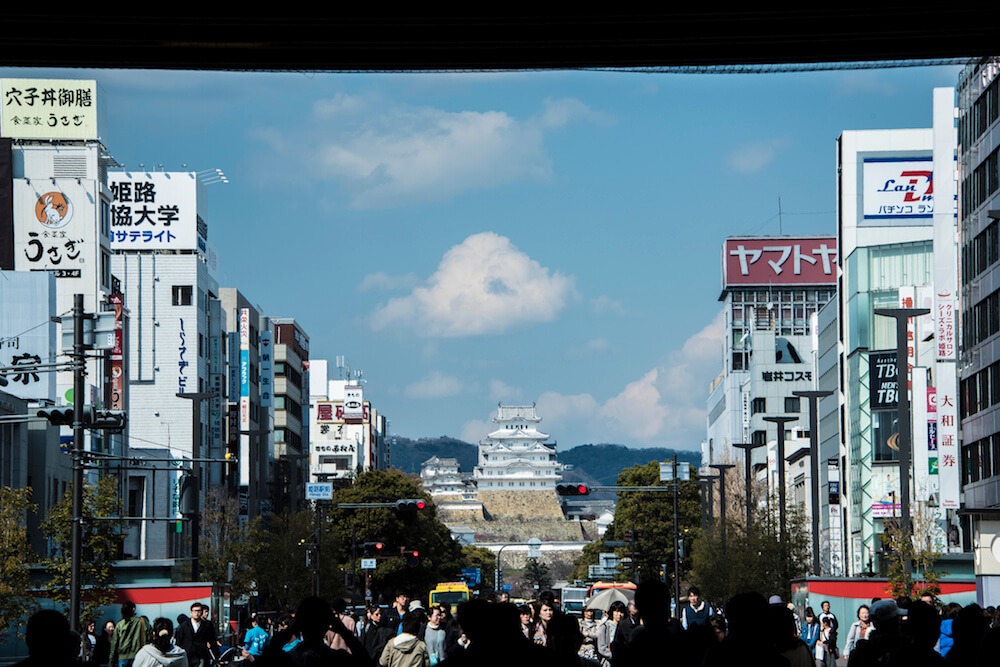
(266, 369)
(907, 299)
(945, 288)
(48, 109)
(233, 363)
(182, 357)
(835, 518)
(117, 397)
(947, 432)
(244, 395)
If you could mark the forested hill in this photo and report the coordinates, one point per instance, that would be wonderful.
(593, 464)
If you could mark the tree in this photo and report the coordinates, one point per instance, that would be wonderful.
(103, 528)
(283, 578)
(15, 604)
(440, 557)
(224, 541)
(754, 562)
(536, 575)
(647, 517)
(919, 553)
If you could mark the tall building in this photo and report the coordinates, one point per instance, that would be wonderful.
(167, 282)
(772, 288)
(896, 235)
(347, 434)
(979, 206)
(291, 412)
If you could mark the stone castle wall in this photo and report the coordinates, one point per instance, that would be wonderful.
(521, 504)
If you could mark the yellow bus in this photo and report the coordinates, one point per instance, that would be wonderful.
(450, 594)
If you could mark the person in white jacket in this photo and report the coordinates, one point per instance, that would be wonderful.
(161, 652)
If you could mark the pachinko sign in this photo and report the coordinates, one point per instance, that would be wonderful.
(897, 189)
(779, 260)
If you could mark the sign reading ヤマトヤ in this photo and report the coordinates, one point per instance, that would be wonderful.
(48, 109)
(154, 211)
(779, 261)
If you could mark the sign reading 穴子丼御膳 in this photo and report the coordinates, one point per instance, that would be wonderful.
(48, 109)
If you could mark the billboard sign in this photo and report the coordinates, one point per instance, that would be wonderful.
(27, 336)
(883, 382)
(154, 211)
(779, 260)
(897, 188)
(48, 109)
(55, 224)
(266, 358)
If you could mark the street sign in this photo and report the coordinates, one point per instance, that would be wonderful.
(472, 575)
(319, 491)
(369, 563)
(534, 548)
(667, 471)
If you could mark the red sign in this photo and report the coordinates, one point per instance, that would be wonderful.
(779, 260)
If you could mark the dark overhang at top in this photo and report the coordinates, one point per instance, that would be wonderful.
(391, 40)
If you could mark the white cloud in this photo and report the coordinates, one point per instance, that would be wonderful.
(483, 286)
(664, 407)
(752, 157)
(588, 349)
(382, 281)
(392, 156)
(475, 430)
(434, 385)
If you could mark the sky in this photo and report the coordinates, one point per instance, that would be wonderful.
(466, 239)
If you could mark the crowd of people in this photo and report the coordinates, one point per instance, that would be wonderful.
(750, 629)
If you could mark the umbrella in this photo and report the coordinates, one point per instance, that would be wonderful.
(604, 599)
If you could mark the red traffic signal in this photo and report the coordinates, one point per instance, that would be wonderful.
(572, 489)
(412, 558)
(377, 546)
(410, 504)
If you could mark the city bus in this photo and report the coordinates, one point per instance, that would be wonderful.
(449, 593)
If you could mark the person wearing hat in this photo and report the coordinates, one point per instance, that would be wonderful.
(883, 640)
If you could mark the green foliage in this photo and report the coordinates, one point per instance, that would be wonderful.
(101, 545)
(224, 541)
(280, 566)
(758, 562)
(536, 575)
(15, 604)
(440, 557)
(650, 514)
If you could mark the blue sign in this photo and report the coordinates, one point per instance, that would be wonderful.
(472, 576)
(319, 491)
(507, 588)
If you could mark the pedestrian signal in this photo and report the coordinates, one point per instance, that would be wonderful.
(572, 489)
(410, 505)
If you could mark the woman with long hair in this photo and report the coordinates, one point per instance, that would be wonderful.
(161, 652)
(606, 636)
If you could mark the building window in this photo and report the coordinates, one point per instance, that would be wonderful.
(758, 438)
(759, 405)
(792, 404)
(182, 295)
(885, 431)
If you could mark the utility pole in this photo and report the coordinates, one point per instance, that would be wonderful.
(748, 448)
(677, 551)
(813, 398)
(722, 468)
(76, 525)
(902, 317)
(196, 398)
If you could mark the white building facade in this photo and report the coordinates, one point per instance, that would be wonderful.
(517, 456)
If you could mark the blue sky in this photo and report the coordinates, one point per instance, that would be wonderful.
(470, 238)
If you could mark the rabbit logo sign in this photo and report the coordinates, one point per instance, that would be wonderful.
(54, 210)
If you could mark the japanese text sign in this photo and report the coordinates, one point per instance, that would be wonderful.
(154, 211)
(780, 261)
(897, 188)
(48, 109)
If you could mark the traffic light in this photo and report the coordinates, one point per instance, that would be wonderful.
(373, 546)
(412, 558)
(572, 489)
(57, 416)
(410, 505)
(110, 420)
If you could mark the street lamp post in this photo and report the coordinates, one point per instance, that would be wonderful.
(813, 398)
(722, 468)
(748, 448)
(902, 317)
(780, 423)
(196, 398)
